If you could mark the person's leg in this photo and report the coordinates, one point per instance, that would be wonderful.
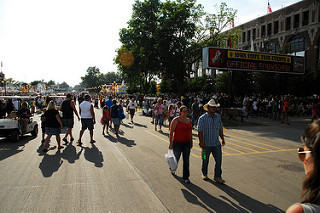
(217, 155)
(91, 135)
(59, 141)
(186, 157)
(176, 147)
(205, 161)
(156, 122)
(80, 135)
(104, 126)
(116, 128)
(25, 123)
(46, 142)
(160, 121)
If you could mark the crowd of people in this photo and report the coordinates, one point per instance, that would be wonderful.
(181, 116)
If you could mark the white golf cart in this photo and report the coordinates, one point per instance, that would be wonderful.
(11, 126)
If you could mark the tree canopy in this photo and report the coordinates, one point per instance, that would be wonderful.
(166, 39)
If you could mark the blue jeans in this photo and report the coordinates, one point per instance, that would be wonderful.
(159, 119)
(217, 155)
(183, 148)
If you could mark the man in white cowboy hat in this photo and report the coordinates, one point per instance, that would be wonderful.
(209, 129)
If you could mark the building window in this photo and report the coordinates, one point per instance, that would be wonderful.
(276, 27)
(263, 31)
(269, 29)
(296, 21)
(298, 46)
(271, 47)
(249, 35)
(288, 23)
(254, 34)
(243, 37)
(305, 18)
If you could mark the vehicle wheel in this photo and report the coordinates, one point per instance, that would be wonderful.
(143, 113)
(35, 131)
(15, 136)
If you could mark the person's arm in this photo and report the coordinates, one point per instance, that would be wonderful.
(222, 137)
(59, 120)
(191, 142)
(92, 114)
(200, 133)
(172, 129)
(295, 208)
(73, 106)
(200, 136)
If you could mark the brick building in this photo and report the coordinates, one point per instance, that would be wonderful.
(294, 29)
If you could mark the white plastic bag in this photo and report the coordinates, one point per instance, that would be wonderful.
(171, 160)
(127, 115)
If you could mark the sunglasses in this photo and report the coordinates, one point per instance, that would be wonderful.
(302, 153)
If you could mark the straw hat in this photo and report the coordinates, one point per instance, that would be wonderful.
(210, 103)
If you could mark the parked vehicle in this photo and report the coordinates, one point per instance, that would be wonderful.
(11, 127)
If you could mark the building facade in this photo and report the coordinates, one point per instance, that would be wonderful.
(291, 30)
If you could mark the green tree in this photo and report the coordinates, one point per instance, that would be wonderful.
(64, 85)
(91, 79)
(166, 39)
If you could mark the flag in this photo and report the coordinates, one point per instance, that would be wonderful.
(262, 47)
(269, 8)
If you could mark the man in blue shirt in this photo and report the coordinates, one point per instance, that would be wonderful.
(109, 104)
(209, 129)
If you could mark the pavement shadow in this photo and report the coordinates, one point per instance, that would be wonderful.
(265, 127)
(50, 163)
(70, 153)
(202, 198)
(111, 138)
(127, 125)
(246, 203)
(210, 203)
(127, 142)
(94, 155)
(8, 148)
(140, 125)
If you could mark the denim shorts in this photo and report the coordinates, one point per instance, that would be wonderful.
(87, 123)
(69, 122)
(53, 130)
(116, 121)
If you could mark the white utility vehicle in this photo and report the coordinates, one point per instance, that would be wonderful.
(11, 126)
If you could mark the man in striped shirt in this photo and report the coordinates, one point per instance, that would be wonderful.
(209, 129)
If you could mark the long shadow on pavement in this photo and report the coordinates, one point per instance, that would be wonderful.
(94, 155)
(199, 196)
(50, 163)
(70, 153)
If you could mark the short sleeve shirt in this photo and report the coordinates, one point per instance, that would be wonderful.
(210, 128)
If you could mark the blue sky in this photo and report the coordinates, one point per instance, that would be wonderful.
(59, 39)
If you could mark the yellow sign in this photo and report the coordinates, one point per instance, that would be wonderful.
(259, 57)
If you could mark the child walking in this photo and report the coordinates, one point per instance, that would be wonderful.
(105, 119)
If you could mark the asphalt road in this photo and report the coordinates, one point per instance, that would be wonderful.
(130, 174)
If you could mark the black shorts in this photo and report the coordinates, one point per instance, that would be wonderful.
(87, 123)
(132, 111)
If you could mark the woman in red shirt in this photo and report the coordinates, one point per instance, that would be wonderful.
(285, 108)
(181, 140)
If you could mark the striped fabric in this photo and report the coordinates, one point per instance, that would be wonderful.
(210, 128)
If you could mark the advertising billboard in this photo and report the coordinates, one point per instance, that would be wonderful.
(231, 59)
